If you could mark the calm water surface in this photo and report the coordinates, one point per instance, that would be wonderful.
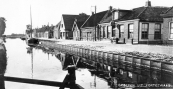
(42, 66)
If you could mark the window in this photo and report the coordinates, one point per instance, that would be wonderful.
(130, 31)
(62, 25)
(145, 27)
(171, 30)
(104, 32)
(157, 32)
(109, 31)
(121, 31)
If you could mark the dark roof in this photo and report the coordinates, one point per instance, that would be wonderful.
(168, 13)
(146, 14)
(68, 21)
(107, 18)
(97, 17)
(81, 19)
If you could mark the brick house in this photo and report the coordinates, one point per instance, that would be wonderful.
(90, 29)
(141, 25)
(104, 26)
(77, 24)
(168, 26)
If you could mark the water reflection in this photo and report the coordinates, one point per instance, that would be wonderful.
(3, 64)
(115, 76)
(121, 74)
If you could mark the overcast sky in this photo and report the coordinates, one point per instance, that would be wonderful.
(17, 12)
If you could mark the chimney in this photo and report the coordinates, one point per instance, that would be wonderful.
(148, 4)
(110, 8)
(92, 13)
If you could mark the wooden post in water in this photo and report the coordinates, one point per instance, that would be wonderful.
(110, 59)
(166, 66)
(155, 64)
(115, 60)
(129, 60)
(100, 56)
(105, 58)
(136, 61)
(145, 62)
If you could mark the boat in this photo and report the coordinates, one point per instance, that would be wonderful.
(22, 38)
(32, 41)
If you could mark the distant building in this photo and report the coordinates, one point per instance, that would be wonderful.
(28, 31)
(43, 32)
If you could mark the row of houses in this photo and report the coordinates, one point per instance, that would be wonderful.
(153, 24)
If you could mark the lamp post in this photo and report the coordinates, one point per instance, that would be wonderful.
(94, 22)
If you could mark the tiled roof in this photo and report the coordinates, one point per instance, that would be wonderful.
(81, 19)
(68, 21)
(107, 18)
(146, 14)
(98, 18)
(168, 13)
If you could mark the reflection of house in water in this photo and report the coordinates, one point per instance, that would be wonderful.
(125, 74)
(121, 74)
(67, 59)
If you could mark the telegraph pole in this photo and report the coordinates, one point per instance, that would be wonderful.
(94, 22)
(31, 21)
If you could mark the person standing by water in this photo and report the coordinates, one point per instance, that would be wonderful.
(3, 56)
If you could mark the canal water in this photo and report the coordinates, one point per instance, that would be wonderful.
(41, 63)
(37, 64)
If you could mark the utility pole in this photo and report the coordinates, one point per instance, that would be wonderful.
(94, 23)
(31, 21)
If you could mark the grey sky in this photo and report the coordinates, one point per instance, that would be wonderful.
(17, 12)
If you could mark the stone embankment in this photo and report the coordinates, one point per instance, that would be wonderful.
(105, 48)
(110, 56)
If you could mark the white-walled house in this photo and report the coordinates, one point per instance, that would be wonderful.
(66, 26)
(56, 31)
(142, 25)
(77, 26)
